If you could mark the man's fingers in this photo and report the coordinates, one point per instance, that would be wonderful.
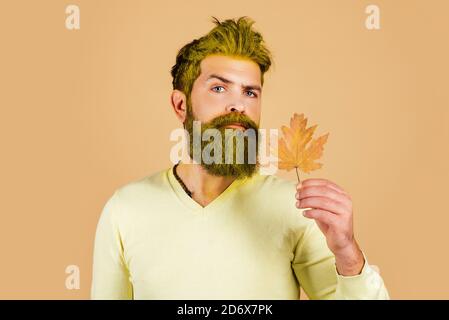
(321, 215)
(323, 203)
(321, 182)
(323, 191)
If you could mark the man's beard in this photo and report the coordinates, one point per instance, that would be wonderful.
(226, 168)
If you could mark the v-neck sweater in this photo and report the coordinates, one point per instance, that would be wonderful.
(153, 241)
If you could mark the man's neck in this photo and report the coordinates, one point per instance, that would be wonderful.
(204, 186)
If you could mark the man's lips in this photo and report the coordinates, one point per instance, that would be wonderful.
(236, 125)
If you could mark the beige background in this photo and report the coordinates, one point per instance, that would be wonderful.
(86, 111)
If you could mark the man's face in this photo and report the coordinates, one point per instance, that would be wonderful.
(228, 91)
(212, 97)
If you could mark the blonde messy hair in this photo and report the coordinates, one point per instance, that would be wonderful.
(230, 37)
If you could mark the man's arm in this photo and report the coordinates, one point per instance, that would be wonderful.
(315, 270)
(110, 276)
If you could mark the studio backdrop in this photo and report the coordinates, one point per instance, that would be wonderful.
(85, 108)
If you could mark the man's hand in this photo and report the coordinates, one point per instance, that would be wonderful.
(332, 211)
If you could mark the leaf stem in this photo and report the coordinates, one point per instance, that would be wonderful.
(297, 175)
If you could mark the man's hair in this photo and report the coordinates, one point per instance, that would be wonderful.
(232, 38)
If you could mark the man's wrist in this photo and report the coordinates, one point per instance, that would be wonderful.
(350, 261)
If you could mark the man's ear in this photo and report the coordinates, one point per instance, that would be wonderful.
(178, 101)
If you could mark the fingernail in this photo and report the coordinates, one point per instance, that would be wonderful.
(297, 204)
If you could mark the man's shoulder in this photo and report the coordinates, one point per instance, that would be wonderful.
(273, 198)
(148, 186)
(273, 184)
(271, 190)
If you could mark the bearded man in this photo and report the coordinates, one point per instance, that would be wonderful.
(214, 227)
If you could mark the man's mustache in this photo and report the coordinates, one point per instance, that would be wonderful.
(232, 118)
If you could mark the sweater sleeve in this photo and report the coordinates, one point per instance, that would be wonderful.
(110, 276)
(315, 269)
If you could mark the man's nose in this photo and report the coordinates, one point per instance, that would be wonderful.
(236, 107)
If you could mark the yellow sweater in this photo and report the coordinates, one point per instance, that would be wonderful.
(155, 242)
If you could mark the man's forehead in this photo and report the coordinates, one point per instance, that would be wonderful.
(237, 70)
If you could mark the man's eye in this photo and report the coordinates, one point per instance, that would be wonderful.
(252, 94)
(217, 87)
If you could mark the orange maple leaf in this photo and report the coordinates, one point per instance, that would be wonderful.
(293, 151)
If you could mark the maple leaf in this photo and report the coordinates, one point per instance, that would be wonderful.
(293, 151)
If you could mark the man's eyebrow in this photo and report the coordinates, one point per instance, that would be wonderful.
(247, 87)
